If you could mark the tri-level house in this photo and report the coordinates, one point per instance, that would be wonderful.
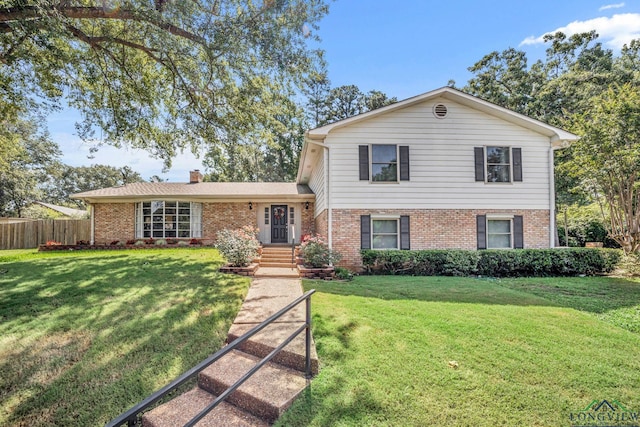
(440, 170)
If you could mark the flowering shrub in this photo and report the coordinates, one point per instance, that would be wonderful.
(238, 246)
(315, 252)
(53, 243)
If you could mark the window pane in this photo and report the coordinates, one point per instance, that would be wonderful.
(498, 173)
(499, 155)
(384, 172)
(385, 242)
(385, 226)
(499, 226)
(156, 206)
(383, 153)
(499, 241)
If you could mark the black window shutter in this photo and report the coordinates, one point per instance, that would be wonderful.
(479, 161)
(518, 232)
(364, 162)
(481, 225)
(404, 163)
(365, 232)
(517, 164)
(405, 236)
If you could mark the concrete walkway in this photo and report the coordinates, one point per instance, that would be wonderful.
(273, 388)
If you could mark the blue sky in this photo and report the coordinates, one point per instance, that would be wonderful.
(405, 48)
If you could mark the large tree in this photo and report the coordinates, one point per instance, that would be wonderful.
(162, 76)
(67, 180)
(27, 157)
(607, 159)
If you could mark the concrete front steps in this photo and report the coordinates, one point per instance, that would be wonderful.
(278, 257)
(272, 389)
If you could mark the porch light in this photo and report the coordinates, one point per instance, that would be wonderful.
(250, 205)
(306, 205)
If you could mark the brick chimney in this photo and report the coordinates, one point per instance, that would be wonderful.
(195, 176)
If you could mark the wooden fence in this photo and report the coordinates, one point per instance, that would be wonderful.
(30, 234)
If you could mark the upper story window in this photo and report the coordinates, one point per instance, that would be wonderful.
(495, 164)
(161, 219)
(384, 163)
(498, 164)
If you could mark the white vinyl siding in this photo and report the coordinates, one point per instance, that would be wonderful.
(317, 185)
(442, 161)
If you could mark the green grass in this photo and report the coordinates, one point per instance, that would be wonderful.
(529, 351)
(85, 335)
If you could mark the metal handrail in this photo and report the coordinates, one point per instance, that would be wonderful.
(131, 416)
(293, 244)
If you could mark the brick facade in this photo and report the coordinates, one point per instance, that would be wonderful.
(322, 223)
(114, 221)
(308, 223)
(218, 216)
(431, 229)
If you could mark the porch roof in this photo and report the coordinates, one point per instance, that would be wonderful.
(215, 191)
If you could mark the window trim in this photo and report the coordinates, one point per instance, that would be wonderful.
(195, 220)
(500, 217)
(371, 163)
(386, 218)
(486, 164)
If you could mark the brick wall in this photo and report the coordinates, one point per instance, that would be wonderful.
(322, 223)
(431, 229)
(307, 225)
(114, 221)
(218, 216)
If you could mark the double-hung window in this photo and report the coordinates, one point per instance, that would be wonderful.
(384, 234)
(384, 163)
(500, 231)
(498, 164)
(162, 219)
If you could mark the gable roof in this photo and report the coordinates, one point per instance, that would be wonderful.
(559, 138)
(218, 191)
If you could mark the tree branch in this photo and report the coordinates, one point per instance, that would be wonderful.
(78, 12)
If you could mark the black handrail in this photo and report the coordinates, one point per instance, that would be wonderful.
(131, 416)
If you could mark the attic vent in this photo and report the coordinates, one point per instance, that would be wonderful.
(440, 111)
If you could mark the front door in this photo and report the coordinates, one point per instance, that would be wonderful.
(279, 224)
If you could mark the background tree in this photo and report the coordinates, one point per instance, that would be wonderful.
(607, 158)
(27, 157)
(160, 76)
(67, 180)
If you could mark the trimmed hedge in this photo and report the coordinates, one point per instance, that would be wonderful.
(493, 263)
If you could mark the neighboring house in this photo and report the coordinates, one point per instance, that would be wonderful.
(63, 211)
(440, 170)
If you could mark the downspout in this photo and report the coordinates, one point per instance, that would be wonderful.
(93, 223)
(552, 200)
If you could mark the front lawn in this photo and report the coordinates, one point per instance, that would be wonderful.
(527, 352)
(85, 335)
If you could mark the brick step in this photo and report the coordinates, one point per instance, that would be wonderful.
(276, 258)
(261, 344)
(275, 264)
(267, 394)
(178, 411)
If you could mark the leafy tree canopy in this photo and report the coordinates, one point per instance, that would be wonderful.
(162, 76)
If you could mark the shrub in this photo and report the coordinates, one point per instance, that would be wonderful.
(161, 242)
(131, 242)
(150, 241)
(493, 263)
(315, 252)
(172, 241)
(114, 242)
(238, 246)
(83, 243)
(183, 243)
(343, 274)
(139, 243)
(195, 242)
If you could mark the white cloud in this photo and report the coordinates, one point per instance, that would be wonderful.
(611, 6)
(614, 32)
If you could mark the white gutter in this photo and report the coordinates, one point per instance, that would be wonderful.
(552, 200)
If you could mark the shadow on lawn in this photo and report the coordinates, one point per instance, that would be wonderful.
(591, 294)
(84, 339)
